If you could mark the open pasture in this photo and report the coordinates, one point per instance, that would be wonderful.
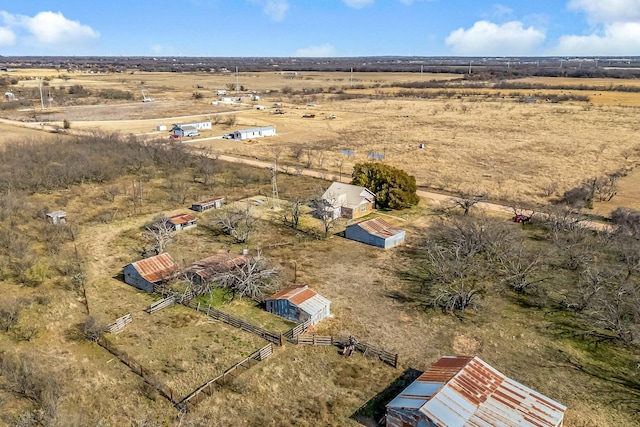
(482, 139)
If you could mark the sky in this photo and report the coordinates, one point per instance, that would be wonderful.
(320, 28)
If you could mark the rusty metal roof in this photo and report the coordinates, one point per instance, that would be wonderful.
(181, 218)
(379, 227)
(466, 391)
(156, 268)
(307, 299)
(217, 263)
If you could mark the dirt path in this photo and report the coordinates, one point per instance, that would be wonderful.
(437, 197)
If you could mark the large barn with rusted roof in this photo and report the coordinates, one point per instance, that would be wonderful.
(299, 304)
(467, 392)
(146, 273)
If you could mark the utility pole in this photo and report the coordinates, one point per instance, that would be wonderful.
(237, 86)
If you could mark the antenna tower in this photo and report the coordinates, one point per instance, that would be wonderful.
(275, 199)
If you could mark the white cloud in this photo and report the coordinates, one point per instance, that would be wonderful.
(274, 9)
(489, 39)
(7, 37)
(622, 38)
(410, 2)
(358, 4)
(322, 51)
(608, 11)
(49, 28)
(54, 28)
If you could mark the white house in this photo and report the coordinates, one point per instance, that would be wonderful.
(254, 133)
(349, 201)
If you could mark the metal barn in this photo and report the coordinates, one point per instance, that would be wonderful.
(299, 304)
(254, 133)
(466, 391)
(375, 232)
(205, 205)
(182, 222)
(146, 273)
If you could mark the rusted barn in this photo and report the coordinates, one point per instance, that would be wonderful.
(299, 304)
(203, 271)
(146, 273)
(375, 232)
(205, 205)
(467, 392)
(182, 222)
(349, 201)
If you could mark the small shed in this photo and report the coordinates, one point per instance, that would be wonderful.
(299, 304)
(146, 273)
(254, 133)
(57, 217)
(375, 232)
(205, 205)
(182, 222)
(466, 391)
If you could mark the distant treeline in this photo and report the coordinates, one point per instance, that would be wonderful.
(482, 68)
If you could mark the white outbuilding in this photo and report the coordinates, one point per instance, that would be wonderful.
(254, 133)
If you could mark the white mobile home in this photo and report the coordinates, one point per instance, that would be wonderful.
(254, 133)
(198, 125)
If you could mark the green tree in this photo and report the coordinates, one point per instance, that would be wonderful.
(393, 187)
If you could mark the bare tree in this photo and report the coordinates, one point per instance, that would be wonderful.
(326, 207)
(468, 199)
(236, 222)
(292, 216)
(9, 314)
(159, 232)
(255, 277)
(520, 269)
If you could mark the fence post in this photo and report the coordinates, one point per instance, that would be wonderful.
(198, 308)
(395, 361)
(281, 340)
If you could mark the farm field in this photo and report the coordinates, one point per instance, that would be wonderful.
(473, 140)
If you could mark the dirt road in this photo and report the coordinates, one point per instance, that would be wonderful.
(437, 197)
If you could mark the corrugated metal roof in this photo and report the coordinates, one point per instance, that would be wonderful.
(308, 300)
(347, 195)
(378, 227)
(466, 391)
(182, 218)
(217, 263)
(156, 268)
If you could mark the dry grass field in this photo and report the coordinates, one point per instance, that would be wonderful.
(472, 141)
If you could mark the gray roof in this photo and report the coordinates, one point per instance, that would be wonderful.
(347, 195)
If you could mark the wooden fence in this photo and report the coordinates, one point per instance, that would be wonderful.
(136, 367)
(236, 322)
(363, 347)
(119, 324)
(299, 329)
(196, 397)
(159, 305)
